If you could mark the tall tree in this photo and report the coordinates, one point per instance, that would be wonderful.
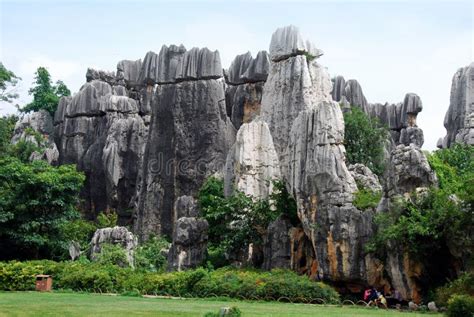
(45, 94)
(8, 81)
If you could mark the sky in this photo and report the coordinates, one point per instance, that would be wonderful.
(391, 48)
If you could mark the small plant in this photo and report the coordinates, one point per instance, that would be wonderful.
(149, 256)
(367, 199)
(107, 219)
(461, 306)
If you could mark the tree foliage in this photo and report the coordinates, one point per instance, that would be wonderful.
(440, 219)
(7, 125)
(364, 140)
(36, 199)
(45, 95)
(8, 82)
(238, 220)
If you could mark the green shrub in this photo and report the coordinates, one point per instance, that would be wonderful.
(96, 277)
(463, 285)
(460, 306)
(112, 254)
(367, 199)
(107, 219)
(148, 256)
(365, 139)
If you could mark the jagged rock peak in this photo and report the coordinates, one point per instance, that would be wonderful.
(174, 64)
(237, 68)
(245, 69)
(459, 119)
(106, 76)
(128, 72)
(287, 42)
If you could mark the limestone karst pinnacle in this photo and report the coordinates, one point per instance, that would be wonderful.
(149, 135)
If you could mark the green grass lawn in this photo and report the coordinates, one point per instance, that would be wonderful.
(76, 304)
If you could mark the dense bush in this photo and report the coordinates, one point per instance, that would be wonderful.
(461, 306)
(149, 256)
(365, 139)
(7, 125)
(463, 285)
(36, 199)
(248, 284)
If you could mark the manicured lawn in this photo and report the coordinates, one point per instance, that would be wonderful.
(75, 304)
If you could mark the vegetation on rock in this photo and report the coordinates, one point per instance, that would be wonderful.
(365, 139)
(238, 220)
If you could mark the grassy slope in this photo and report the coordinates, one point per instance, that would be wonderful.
(73, 304)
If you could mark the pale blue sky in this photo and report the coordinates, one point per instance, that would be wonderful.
(391, 48)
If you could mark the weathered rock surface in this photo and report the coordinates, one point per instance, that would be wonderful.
(175, 64)
(128, 73)
(287, 42)
(408, 169)
(245, 78)
(293, 85)
(400, 118)
(190, 136)
(252, 163)
(116, 235)
(459, 119)
(277, 245)
(364, 177)
(189, 243)
(37, 128)
(104, 135)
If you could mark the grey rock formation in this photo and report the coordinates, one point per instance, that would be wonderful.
(105, 76)
(175, 64)
(258, 68)
(243, 102)
(408, 169)
(37, 128)
(277, 245)
(293, 85)
(128, 73)
(432, 307)
(238, 68)
(364, 177)
(116, 235)
(104, 135)
(189, 243)
(185, 206)
(245, 79)
(252, 163)
(400, 118)
(287, 42)
(190, 136)
(459, 119)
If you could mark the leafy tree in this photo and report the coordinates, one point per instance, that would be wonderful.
(45, 95)
(7, 125)
(8, 81)
(365, 139)
(36, 199)
(238, 220)
(107, 219)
